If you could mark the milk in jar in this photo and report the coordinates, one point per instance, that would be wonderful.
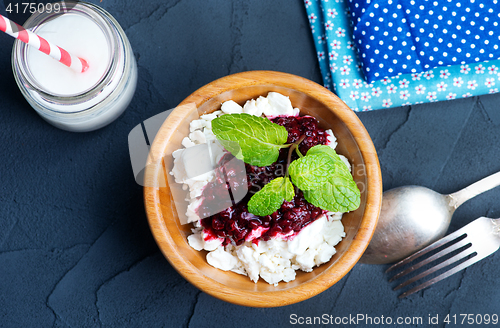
(71, 100)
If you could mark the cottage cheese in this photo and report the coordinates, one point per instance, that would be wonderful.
(274, 260)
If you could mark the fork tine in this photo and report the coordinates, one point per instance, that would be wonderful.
(434, 257)
(475, 241)
(427, 249)
(444, 264)
(442, 276)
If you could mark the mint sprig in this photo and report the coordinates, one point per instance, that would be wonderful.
(321, 174)
(255, 140)
(267, 200)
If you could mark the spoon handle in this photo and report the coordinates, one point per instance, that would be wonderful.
(461, 196)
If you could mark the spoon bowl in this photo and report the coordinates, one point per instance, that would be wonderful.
(413, 217)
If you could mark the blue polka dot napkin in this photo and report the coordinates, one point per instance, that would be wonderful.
(397, 37)
(342, 69)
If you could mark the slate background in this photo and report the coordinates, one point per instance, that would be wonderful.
(75, 247)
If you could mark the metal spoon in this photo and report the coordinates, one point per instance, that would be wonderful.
(413, 217)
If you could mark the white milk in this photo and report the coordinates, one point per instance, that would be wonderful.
(79, 36)
(69, 100)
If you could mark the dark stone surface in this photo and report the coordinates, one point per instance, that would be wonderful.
(75, 247)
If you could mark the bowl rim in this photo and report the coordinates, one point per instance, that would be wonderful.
(345, 262)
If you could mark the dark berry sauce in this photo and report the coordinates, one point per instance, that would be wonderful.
(235, 224)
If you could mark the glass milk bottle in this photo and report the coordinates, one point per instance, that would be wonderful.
(67, 99)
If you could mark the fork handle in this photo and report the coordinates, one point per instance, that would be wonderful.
(461, 196)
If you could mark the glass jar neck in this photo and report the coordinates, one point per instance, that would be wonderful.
(107, 25)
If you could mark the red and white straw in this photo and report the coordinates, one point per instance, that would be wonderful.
(17, 31)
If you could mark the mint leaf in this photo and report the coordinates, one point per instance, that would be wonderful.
(289, 190)
(338, 194)
(255, 140)
(269, 199)
(321, 149)
(311, 171)
(340, 167)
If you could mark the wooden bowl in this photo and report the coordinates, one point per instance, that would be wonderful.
(353, 142)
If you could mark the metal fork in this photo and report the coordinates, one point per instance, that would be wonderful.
(476, 240)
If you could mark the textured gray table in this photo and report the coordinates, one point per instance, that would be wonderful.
(75, 248)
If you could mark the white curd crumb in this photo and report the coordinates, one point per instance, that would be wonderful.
(251, 108)
(222, 259)
(306, 260)
(195, 241)
(199, 242)
(263, 104)
(208, 117)
(331, 140)
(186, 142)
(231, 107)
(209, 135)
(334, 232)
(325, 253)
(191, 210)
(306, 237)
(177, 153)
(280, 104)
(197, 125)
(197, 137)
(288, 274)
(239, 270)
(249, 262)
(197, 189)
(211, 244)
(334, 215)
(272, 278)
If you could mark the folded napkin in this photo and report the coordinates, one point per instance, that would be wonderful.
(332, 29)
(399, 37)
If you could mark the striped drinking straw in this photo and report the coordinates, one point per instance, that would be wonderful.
(17, 31)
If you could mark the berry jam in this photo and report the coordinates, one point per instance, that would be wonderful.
(235, 224)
